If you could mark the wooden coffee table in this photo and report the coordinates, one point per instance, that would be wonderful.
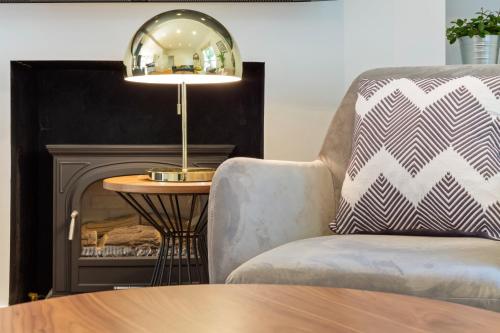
(244, 308)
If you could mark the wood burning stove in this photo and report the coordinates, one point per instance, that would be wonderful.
(111, 246)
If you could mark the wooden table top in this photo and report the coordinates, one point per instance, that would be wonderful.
(242, 309)
(142, 184)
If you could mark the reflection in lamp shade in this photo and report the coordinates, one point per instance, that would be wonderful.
(182, 46)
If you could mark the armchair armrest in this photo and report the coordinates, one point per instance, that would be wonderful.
(256, 205)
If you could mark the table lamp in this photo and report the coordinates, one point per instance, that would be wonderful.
(182, 47)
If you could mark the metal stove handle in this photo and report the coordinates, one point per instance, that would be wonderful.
(74, 214)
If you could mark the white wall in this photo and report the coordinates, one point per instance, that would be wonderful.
(464, 9)
(301, 94)
(387, 33)
(302, 44)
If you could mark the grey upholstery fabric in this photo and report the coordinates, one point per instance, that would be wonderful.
(256, 205)
(461, 270)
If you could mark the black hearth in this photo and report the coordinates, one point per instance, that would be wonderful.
(89, 103)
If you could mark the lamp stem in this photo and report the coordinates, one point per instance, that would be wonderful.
(184, 126)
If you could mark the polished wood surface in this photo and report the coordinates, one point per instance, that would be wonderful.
(141, 184)
(242, 309)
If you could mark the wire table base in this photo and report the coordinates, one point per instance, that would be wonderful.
(182, 256)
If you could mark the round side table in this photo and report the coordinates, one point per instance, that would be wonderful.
(183, 240)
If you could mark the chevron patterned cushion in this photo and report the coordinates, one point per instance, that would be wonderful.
(425, 158)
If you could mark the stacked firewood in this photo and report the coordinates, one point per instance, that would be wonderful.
(124, 231)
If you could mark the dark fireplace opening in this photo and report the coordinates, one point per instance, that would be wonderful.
(89, 103)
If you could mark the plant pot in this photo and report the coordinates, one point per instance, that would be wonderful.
(477, 50)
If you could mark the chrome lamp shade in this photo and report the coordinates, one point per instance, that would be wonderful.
(182, 46)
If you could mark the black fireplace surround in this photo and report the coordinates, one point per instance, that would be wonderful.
(89, 103)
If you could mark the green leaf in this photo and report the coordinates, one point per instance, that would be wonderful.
(485, 22)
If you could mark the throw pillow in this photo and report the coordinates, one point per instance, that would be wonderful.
(425, 158)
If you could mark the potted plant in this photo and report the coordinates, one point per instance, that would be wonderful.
(478, 37)
(222, 59)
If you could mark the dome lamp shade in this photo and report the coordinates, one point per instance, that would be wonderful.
(182, 46)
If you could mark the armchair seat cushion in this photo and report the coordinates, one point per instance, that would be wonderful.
(457, 269)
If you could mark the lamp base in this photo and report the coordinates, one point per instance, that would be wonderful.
(180, 174)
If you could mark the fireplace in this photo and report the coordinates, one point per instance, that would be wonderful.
(86, 110)
(111, 246)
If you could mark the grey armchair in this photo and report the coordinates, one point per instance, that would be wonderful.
(268, 223)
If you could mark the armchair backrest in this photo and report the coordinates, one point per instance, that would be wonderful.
(336, 149)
